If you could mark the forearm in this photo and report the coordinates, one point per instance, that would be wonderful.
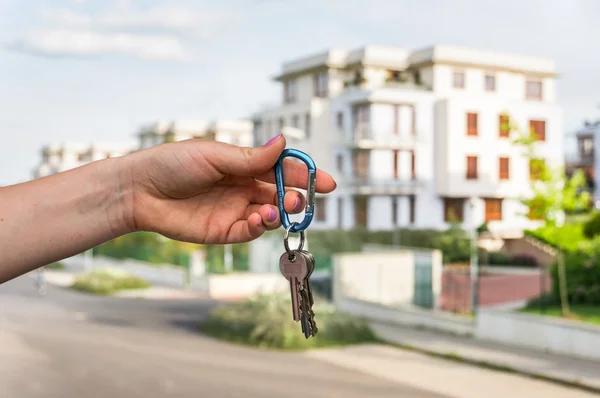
(58, 216)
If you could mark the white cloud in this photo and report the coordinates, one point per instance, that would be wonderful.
(57, 42)
(158, 18)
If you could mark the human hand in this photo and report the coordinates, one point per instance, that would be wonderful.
(210, 192)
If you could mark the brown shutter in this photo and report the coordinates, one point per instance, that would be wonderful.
(471, 167)
(503, 126)
(504, 168)
(472, 124)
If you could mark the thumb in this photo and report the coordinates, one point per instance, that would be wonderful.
(243, 161)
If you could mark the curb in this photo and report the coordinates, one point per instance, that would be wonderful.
(452, 356)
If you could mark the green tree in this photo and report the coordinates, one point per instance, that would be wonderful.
(553, 195)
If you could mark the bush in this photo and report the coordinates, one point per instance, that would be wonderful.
(582, 274)
(498, 258)
(55, 266)
(266, 322)
(108, 281)
(524, 259)
(591, 228)
(454, 243)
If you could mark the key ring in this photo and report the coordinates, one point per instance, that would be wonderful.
(286, 235)
(310, 191)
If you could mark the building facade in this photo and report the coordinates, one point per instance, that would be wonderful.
(235, 132)
(588, 138)
(420, 139)
(59, 157)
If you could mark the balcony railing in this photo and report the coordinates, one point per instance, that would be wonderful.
(366, 184)
(363, 136)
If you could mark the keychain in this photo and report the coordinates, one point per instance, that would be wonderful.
(297, 265)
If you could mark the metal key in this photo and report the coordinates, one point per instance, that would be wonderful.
(294, 268)
(308, 297)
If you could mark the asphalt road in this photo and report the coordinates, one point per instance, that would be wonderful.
(68, 344)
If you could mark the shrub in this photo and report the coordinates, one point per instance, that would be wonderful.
(591, 228)
(108, 281)
(56, 266)
(498, 258)
(524, 259)
(582, 274)
(454, 243)
(266, 321)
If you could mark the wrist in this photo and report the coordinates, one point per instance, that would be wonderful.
(120, 209)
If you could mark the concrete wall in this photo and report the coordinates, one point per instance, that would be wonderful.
(538, 332)
(384, 276)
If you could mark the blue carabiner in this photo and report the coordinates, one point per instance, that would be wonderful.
(310, 200)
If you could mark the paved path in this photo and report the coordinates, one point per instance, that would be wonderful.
(70, 345)
(568, 369)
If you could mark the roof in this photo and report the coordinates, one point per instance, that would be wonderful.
(400, 58)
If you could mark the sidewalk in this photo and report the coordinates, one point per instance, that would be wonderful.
(65, 279)
(557, 368)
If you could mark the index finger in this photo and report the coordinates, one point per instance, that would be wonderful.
(295, 174)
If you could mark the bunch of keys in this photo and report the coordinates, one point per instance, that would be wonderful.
(297, 265)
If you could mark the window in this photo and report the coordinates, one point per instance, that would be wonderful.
(413, 173)
(289, 91)
(307, 125)
(339, 162)
(361, 121)
(281, 123)
(395, 155)
(320, 84)
(360, 164)
(340, 121)
(394, 210)
(458, 80)
(411, 209)
(490, 82)
(493, 209)
(453, 209)
(360, 211)
(533, 89)
(536, 167)
(537, 128)
(471, 167)
(536, 210)
(503, 126)
(413, 121)
(320, 210)
(504, 168)
(295, 121)
(586, 146)
(396, 118)
(471, 124)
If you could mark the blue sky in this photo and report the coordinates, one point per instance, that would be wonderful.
(85, 70)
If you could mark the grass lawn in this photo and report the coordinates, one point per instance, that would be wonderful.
(582, 312)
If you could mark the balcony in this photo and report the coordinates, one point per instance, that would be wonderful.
(364, 137)
(362, 185)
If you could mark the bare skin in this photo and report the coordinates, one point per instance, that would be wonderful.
(194, 191)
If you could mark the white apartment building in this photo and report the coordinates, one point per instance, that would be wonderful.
(235, 132)
(59, 157)
(418, 138)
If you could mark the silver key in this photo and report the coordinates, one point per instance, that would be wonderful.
(294, 268)
(308, 297)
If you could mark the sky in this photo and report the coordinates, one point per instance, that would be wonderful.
(85, 70)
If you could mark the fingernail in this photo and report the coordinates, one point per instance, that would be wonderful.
(272, 215)
(259, 223)
(272, 140)
(297, 205)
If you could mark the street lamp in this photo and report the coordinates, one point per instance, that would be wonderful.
(474, 258)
